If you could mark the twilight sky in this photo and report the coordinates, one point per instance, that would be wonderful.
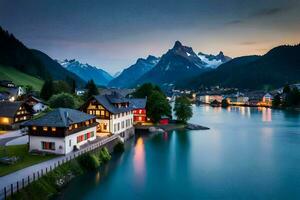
(113, 34)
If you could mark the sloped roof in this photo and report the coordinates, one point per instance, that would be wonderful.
(9, 109)
(107, 102)
(60, 117)
(138, 103)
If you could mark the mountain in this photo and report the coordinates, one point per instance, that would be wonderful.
(56, 71)
(14, 53)
(130, 75)
(213, 61)
(179, 63)
(87, 72)
(281, 65)
(117, 74)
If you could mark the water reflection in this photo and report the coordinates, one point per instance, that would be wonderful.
(139, 160)
(266, 114)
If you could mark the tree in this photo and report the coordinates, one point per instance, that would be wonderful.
(91, 89)
(61, 87)
(183, 109)
(224, 103)
(47, 90)
(157, 106)
(276, 101)
(145, 90)
(62, 100)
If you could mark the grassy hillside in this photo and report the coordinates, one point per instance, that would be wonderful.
(20, 78)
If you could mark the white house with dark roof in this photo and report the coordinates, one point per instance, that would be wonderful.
(61, 131)
(114, 114)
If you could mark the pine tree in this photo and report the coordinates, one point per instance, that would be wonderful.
(91, 89)
(47, 90)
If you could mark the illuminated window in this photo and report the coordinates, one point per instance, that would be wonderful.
(70, 127)
(45, 128)
(53, 129)
(97, 112)
(34, 128)
(75, 126)
(87, 123)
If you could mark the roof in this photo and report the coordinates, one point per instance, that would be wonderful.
(9, 109)
(107, 101)
(60, 117)
(116, 97)
(138, 103)
(123, 92)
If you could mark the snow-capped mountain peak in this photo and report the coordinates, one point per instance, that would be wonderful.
(86, 71)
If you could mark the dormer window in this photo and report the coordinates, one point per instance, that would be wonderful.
(45, 128)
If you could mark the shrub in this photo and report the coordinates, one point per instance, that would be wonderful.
(89, 161)
(104, 155)
(119, 147)
(63, 100)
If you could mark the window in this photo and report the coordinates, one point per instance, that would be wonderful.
(75, 125)
(92, 134)
(105, 126)
(90, 112)
(97, 112)
(87, 123)
(70, 127)
(45, 128)
(34, 128)
(115, 127)
(102, 113)
(70, 143)
(48, 145)
(53, 129)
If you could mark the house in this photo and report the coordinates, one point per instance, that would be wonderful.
(12, 113)
(209, 98)
(80, 92)
(61, 131)
(113, 112)
(164, 120)
(139, 110)
(36, 105)
(266, 100)
(7, 83)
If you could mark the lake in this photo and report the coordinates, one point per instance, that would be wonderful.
(248, 153)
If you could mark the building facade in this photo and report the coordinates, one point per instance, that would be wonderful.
(61, 131)
(139, 110)
(114, 114)
(12, 114)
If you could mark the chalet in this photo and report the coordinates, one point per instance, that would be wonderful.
(61, 131)
(35, 105)
(12, 113)
(139, 110)
(114, 114)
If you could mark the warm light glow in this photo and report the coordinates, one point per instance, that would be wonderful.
(139, 159)
(34, 128)
(75, 125)
(45, 128)
(5, 120)
(53, 129)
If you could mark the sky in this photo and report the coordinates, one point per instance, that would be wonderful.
(113, 34)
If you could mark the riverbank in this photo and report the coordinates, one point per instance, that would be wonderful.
(53, 182)
(174, 125)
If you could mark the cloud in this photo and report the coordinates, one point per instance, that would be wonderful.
(248, 43)
(269, 12)
(234, 22)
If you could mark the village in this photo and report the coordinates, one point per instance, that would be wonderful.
(113, 116)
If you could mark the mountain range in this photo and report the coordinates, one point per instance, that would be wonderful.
(87, 72)
(180, 63)
(279, 66)
(129, 76)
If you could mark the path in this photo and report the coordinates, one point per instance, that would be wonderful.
(12, 178)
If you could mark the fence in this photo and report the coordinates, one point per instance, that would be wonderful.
(9, 190)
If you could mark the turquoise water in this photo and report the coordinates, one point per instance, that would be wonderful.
(248, 153)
